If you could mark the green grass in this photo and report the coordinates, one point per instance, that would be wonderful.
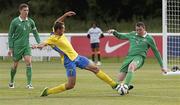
(151, 88)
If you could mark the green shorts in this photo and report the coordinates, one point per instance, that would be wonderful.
(138, 61)
(19, 52)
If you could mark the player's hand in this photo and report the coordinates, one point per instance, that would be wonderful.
(33, 46)
(70, 13)
(10, 52)
(110, 31)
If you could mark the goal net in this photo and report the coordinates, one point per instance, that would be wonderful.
(171, 33)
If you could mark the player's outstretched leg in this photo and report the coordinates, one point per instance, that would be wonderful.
(101, 75)
(54, 90)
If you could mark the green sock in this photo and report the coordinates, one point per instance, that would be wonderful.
(12, 73)
(128, 78)
(29, 74)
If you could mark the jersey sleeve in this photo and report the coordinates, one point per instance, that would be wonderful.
(11, 34)
(89, 31)
(35, 32)
(49, 41)
(100, 31)
(120, 35)
(155, 50)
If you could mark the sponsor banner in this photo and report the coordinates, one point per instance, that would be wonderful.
(3, 45)
(46, 51)
(110, 46)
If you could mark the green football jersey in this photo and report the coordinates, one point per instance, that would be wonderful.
(139, 45)
(19, 32)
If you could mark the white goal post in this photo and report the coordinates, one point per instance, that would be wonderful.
(171, 33)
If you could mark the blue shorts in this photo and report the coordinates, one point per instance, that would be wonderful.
(70, 66)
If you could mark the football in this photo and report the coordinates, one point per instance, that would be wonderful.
(123, 89)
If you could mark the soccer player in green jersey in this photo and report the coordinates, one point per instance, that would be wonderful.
(140, 41)
(19, 47)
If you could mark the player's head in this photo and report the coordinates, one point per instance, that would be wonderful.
(59, 28)
(140, 28)
(94, 24)
(24, 10)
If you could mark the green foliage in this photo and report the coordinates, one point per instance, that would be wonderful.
(119, 14)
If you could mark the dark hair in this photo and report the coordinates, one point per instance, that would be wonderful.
(140, 24)
(94, 23)
(23, 5)
(58, 25)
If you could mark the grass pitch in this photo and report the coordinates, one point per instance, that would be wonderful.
(151, 87)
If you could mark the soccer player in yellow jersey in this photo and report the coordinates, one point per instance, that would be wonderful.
(70, 58)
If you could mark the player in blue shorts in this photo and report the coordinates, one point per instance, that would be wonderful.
(70, 58)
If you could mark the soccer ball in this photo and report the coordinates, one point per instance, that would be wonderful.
(122, 89)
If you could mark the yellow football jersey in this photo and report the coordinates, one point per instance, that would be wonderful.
(62, 43)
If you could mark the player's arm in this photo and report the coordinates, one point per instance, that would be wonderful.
(88, 36)
(10, 37)
(63, 17)
(156, 53)
(39, 46)
(35, 32)
(46, 42)
(101, 34)
(88, 33)
(118, 34)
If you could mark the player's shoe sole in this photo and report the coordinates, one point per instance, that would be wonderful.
(44, 92)
(130, 87)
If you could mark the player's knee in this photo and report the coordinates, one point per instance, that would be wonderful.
(98, 52)
(14, 68)
(95, 69)
(132, 67)
(15, 65)
(70, 86)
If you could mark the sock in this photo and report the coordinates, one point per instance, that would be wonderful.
(128, 78)
(29, 74)
(57, 89)
(99, 57)
(93, 57)
(12, 73)
(103, 76)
